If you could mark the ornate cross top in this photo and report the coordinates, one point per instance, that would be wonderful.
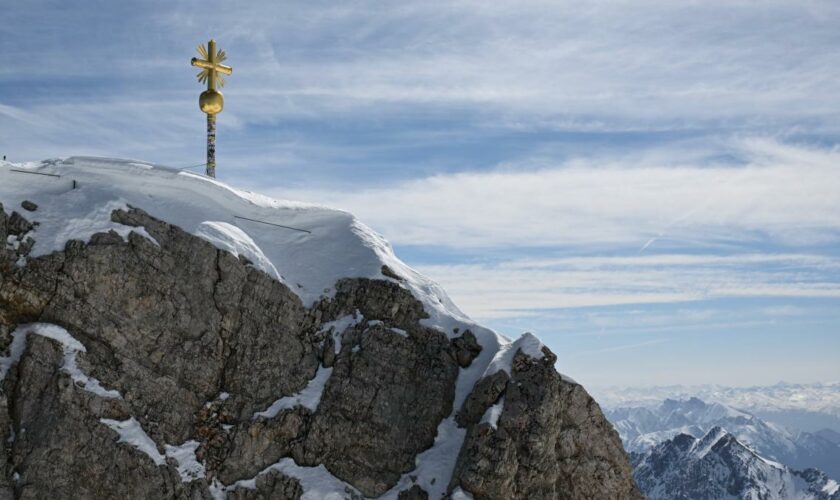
(211, 64)
(211, 101)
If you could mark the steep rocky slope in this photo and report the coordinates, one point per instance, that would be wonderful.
(145, 359)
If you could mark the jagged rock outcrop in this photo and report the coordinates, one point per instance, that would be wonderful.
(196, 345)
(550, 439)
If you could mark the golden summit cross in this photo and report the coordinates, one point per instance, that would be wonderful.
(211, 101)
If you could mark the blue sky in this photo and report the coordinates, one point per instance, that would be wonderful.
(652, 187)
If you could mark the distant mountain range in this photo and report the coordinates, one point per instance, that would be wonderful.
(698, 450)
(643, 427)
(718, 466)
(807, 407)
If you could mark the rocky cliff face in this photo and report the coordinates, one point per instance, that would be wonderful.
(159, 366)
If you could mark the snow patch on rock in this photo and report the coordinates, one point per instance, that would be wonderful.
(236, 241)
(59, 228)
(434, 466)
(491, 416)
(503, 360)
(309, 397)
(459, 494)
(317, 482)
(71, 348)
(89, 384)
(339, 326)
(132, 433)
(432, 473)
(189, 467)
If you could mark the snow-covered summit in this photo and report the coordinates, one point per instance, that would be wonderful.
(320, 383)
(306, 246)
(318, 246)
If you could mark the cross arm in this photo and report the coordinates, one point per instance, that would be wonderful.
(221, 68)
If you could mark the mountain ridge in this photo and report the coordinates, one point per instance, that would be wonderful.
(643, 427)
(718, 466)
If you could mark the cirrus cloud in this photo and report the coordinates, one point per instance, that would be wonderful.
(776, 193)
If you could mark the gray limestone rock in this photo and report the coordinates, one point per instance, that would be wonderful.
(61, 450)
(413, 493)
(550, 441)
(197, 342)
(18, 225)
(466, 349)
(388, 272)
(262, 442)
(272, 485)
(382, 406)
(29, 206)
(486, 392)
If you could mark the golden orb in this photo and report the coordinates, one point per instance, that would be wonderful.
(211, 102)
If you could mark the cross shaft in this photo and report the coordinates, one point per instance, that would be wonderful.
(211, 101)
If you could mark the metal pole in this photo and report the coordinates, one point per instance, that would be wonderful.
(211, 145)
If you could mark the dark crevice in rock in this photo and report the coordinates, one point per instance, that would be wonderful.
(388, 272)
(466, 348)
(486, 393)
(223, 339)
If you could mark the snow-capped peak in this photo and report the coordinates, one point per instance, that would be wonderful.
(719, 466)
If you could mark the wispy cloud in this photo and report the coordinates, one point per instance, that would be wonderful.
(523, 285)
(598, 67)
(778, 193)
(603, 61)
